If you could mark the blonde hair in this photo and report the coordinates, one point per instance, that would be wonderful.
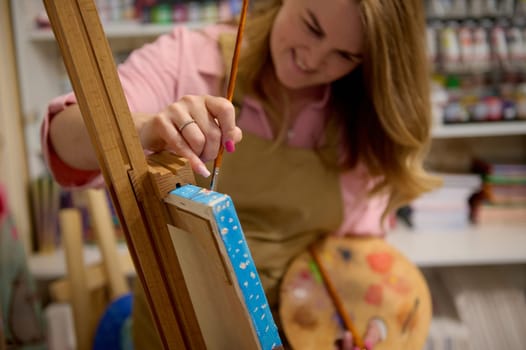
(383, 106)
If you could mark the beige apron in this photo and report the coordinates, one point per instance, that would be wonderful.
(285, 199)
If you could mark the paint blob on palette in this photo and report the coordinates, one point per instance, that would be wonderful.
(383, 293)
(222, 212)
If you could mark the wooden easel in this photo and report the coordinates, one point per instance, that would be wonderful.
(155, 223)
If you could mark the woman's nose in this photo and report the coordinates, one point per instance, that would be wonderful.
(316, 57)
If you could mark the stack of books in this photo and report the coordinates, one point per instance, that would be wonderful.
(503, 196)
(448, 206)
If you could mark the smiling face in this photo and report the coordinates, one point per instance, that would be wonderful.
(316, 42)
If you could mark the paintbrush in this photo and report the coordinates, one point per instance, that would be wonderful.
(231, 86)
(335, 297)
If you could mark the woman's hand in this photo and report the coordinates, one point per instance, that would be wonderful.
(376, 332)
(193, 127)
(345, 342)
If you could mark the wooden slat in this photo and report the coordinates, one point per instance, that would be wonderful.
(93, 75)
(102, 224)
(71, 230)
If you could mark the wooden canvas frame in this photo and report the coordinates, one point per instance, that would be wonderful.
(152, 219)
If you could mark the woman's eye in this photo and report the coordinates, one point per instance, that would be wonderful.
(346, 56)
(349, 57)
(313, 29)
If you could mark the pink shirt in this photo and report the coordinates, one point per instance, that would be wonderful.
(190, 62)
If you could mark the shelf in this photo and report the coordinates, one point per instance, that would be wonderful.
(52, 265)
(485, 245)
(124, 30)
(491, 245)
(480, 129)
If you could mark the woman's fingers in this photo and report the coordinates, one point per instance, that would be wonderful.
(203, 136)
(345, 342)
(214, 124)
(193, 127)
(224, 113)
(160, 134)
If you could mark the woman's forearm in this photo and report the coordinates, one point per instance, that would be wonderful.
(71, 140)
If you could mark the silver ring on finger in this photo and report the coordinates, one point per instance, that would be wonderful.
(181, 128)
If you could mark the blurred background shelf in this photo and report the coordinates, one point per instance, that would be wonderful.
(122, 30)
(51, 266)
(480, 129)
(483, 245)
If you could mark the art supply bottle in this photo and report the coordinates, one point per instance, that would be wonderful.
(128, 10)
(455, 111)
(521, 101)
(180, 11)
(507, 94)
(476, 9)
(103, 8)
(194, 11)
(465, 36)
(459, 8)
(494, 105)
(481, 50)
(500, 46)
(224, 10)
(161, 14)
(516, 46)
(439, 99)
(432, 45)
(210, 10)
(115, 10)
(449, 47)
(235, 7)
(490, 8)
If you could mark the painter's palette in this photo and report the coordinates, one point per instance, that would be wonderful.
(385, 295)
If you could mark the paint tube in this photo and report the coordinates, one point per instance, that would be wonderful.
(500, 46)
(449, 47)
(465, 36)
(516, 46)
(481, 51)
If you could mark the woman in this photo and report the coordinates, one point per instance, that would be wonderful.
(332, 101)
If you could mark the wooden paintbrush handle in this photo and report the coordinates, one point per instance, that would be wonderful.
(335, 297)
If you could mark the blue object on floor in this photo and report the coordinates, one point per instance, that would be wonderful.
(109, 330)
